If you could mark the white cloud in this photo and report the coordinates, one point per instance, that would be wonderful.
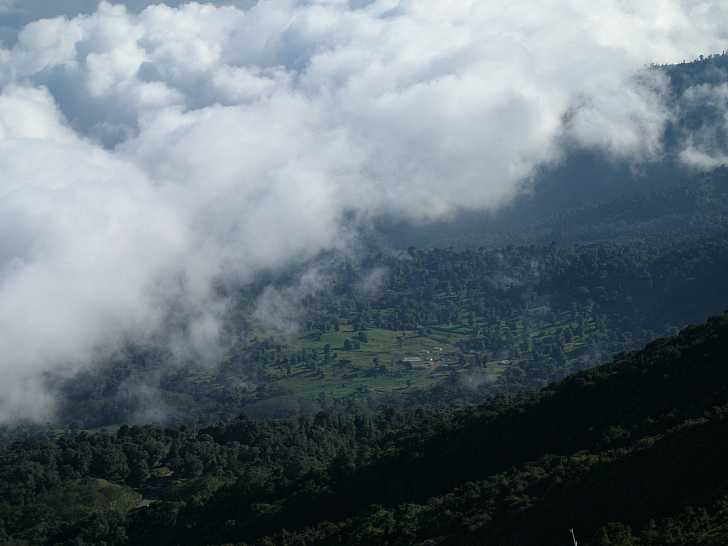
(706, 148)
(147, 155)
(623, 120)
(278, 309)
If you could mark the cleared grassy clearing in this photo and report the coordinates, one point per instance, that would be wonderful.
(376, 365)
(341, 362)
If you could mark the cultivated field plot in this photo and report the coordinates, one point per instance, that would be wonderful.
(344, 362)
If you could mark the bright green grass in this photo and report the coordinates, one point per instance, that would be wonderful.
(356, 373)
(349, 372)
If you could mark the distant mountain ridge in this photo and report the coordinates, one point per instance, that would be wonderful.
(578, 199)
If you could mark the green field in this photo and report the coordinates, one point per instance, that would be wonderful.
(378, 363)
(375, 365)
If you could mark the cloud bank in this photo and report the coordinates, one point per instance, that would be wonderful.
(150, 156)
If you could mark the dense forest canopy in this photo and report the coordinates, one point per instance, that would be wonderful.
(631, 452)
(441, 328)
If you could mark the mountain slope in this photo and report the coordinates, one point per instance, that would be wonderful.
(621, 453)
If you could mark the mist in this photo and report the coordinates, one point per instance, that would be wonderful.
(151, 155)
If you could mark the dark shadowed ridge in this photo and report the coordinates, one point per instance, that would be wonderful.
(630, 442)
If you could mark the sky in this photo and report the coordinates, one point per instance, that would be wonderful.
(150, 153)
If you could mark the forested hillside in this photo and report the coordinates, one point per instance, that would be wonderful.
(436, 328)
(628, 453)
